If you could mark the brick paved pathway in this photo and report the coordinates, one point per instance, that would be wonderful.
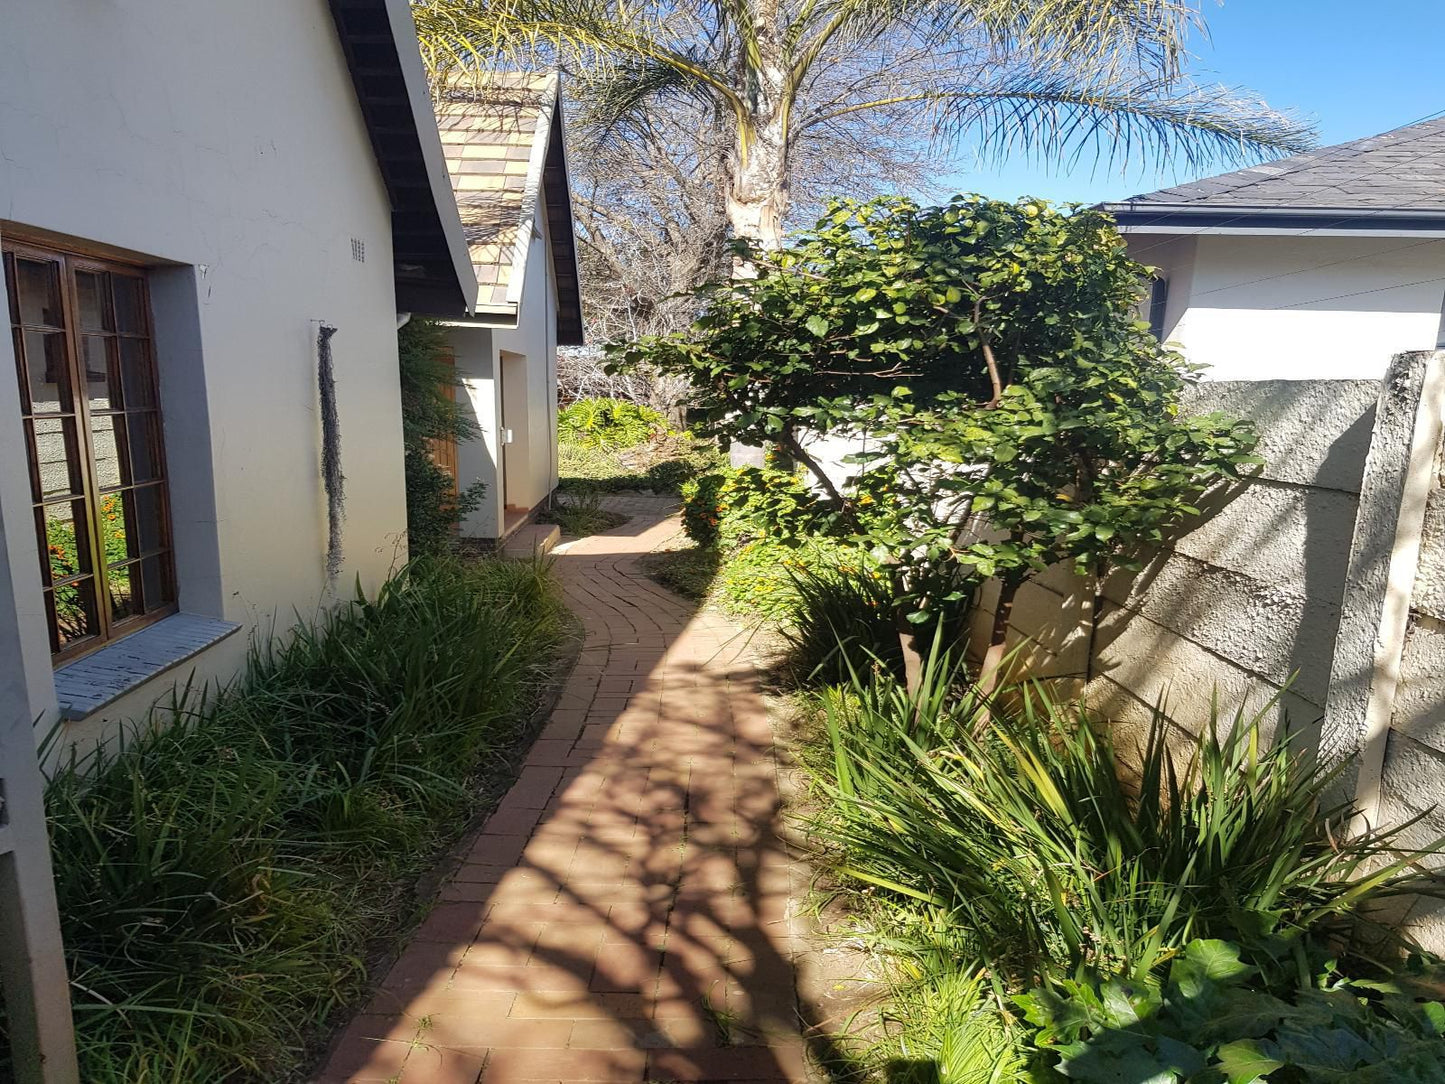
(625, 914)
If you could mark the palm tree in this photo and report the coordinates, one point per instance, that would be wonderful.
(1050, 79)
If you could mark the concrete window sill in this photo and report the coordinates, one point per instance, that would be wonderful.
(89, 684)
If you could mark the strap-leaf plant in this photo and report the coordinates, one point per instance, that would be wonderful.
(1012, 409)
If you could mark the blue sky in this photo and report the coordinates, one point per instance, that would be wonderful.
(1355, 69)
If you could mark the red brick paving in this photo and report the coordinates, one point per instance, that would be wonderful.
(625, 914)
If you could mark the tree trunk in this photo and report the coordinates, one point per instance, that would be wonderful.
(998, 636)
(1095, 602)
(912, 657)
(757, 193)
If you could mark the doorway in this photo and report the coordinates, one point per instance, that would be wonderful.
(512, 444)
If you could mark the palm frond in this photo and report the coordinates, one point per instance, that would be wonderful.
(1107, 37)
(1046, 116)
(619, 100)
(577, 35)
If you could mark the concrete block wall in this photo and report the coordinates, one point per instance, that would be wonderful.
(1323, 581)
(1248, 594)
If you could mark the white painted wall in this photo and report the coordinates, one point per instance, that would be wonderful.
(534, 452)
(1298, 308)
(531, 397)
(226, 140)
(477, 459)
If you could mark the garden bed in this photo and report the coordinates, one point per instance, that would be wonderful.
(228, 885)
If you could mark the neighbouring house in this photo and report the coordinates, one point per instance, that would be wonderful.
(506, 154)
(1320, 266)
(211, 216)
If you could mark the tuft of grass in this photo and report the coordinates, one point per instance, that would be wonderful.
(224, 881)
(580, 513)
(841, 620)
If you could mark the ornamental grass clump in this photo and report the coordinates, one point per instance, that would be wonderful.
(1011, 816)
(223, 881)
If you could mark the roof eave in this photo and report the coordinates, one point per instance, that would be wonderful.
(561, 228)
(1275, 221)
(433, 270)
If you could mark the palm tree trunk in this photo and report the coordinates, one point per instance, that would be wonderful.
(757, 195)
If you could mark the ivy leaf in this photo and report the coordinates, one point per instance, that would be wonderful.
(1246, 1061)
(818, 325)
(1219, 960)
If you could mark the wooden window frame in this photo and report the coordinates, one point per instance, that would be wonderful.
(91, 493)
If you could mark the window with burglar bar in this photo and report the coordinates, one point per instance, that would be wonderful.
(91, 412)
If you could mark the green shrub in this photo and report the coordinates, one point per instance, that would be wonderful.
(1208, 1020)
(434, 506)
(739, 505)
(701, 510)
(223, 881)
(755, 580)
(609, 423)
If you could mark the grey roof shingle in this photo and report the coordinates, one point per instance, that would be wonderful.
(1399, 170)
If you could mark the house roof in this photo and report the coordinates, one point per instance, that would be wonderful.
(506, 155)
(432, 268)
(1388, 183)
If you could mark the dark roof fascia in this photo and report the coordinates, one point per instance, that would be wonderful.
(1165, 218)
(561, 232)
(432, 267)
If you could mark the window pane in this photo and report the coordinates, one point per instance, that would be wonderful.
(105, 445)
(72, 613)
(129, 303)
(37, 285)
(102, 374)
(135, 374)
(92, 301)
(117, 528)
(143, 442)
(67, 546)
(57, 456)
(156, 586)
(48, 382)
(147, 514)
(124, 594)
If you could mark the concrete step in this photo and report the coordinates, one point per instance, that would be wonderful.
(533, 540)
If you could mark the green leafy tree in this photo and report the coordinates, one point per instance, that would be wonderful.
(1050, 78)
(429, 414)
(1011, 409)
